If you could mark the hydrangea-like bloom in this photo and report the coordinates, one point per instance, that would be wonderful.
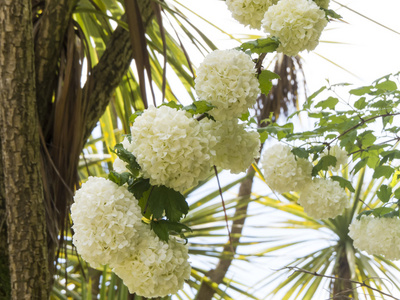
(379, 236)
(157, 268)
(226, 78)
(323, 199)
(119, 165)
(297, 23)
(322, 3)
(249, 12)
(284, 172)
(105, 217)
(236, 148)
(171, 148)
(341, 156)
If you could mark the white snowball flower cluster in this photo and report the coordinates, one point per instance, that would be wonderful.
(171, 148)
(236, 148)
(341, 156)
(322, 3)
(157, 269)
(119, 165)
(323, 199)
(379, 236)
(297, 23)
(283, 171)
(227, 79)
(249, 12)
(106, 218)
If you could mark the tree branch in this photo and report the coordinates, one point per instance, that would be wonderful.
(52, 26)
(108, 73)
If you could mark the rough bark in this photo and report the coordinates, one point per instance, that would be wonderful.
(5, 282)
(26, 221)
(342, 287)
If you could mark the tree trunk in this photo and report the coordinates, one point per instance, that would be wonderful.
(25, 213)
(342, 287)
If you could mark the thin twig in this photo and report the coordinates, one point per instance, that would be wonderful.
(362, 284)
(223, 205)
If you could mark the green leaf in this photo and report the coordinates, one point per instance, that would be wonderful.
(127, 157)
(397, 193)
(323, 164)
(362, 90)
(387, 85)
(360, 103)
(265, 78)
(133, 117)
(198, 107)
(328, 103)
(263, 136)
(280, 131)
(366, 139)
(261, 45)
(380, 211)
(307, 104)
(173, 104)
(361, 164)
(383, 171)
(384, 193)
(139, 186)
(118, 178)
(331, 13)
(164, 228)
(344, 183)
(168, 200)
(300, 152)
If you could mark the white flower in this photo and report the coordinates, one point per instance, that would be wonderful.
(297, 23)
(284, 172)
(106, 218)
(323, 199)
(341, 156)
(227, 80)
(249, 12)
(322, 3)
(156, 268)
(119, 165)
(378, 236)
(171, 148)
(236, 148)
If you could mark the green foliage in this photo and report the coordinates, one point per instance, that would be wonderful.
(265, 78)
(259, 46)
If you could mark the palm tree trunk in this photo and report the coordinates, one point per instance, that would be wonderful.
(24, 200)
(342, 287)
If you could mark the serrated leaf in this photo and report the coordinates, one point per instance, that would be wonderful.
(384, 193)
(168, 200)
(300, 152)
(362, 90)
(387, 85)
(127, 157)
(360, 103)
(259, 46)
(328, 103)
(323, 164)
(265, 78)
(380, 211)
(364, 213)
(119, 178)
(198, 107)
(139, 186)
(361, 164)
(366, 139)
(164, 228)
(344, 183)
(173, 104)
(331, 13)
(263, 136)
(308, 103)
(385, 171)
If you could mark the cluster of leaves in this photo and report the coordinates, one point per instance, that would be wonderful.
(162, 206)
(365, 127)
